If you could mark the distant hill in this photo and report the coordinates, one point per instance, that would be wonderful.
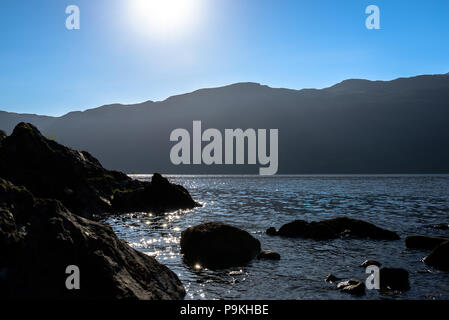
(356, 126)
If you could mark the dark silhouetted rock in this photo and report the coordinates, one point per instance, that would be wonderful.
(3, 135)
(51, 170)
(423, 242)
(271, 231)
(353, 286)
(331, 278)
(370, 262)
(268, 255)
(159, 195)
(439, 257)
(39, 238)
(218, 245)
(394, 279)
(335, 228)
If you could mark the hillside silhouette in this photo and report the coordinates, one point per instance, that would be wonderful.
(356, 126)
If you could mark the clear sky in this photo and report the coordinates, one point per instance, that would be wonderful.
(127, 51)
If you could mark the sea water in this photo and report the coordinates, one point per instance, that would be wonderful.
(407, 204)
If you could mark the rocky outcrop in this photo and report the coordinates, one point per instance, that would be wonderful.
(51, 170)
(159, 195)
(423, 242)
(39, 238)
(333, 228)
(268, 255)
(217, 245)
(439, 257)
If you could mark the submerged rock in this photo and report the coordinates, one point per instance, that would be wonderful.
(439, 257)
(268, 255)
(39, 238)
(335, 228)
(218, 245)
(353, 286)
(370, 262)
(423, 242)
(394, 279)
(51, 170)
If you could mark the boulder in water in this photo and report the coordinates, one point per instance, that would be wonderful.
(335, 228)
(268, 255)
(218, 245)
(271, 231)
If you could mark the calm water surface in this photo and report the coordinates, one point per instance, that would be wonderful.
(406, 204)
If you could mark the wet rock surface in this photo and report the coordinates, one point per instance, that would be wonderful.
(39, 238)
(334, 228)
(353, 286)
(268, 255)
(331, 278)
(51, 170)
(217, 245)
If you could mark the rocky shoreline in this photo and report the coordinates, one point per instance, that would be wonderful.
(51, 198)
(49, 195)
(75, 178)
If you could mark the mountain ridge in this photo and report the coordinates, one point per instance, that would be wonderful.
(244, 83)
(354, 126)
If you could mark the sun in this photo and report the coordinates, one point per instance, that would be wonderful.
(165, 18)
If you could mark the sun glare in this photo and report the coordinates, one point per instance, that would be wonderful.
(165, 18)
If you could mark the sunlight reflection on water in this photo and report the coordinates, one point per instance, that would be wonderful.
(405, 204)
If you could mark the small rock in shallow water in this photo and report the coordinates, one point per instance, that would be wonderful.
(353, 286)
(271, 231)
(331, 278)
(370, 262)
(268, 255)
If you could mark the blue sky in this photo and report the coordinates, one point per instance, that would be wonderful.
(47, 69)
